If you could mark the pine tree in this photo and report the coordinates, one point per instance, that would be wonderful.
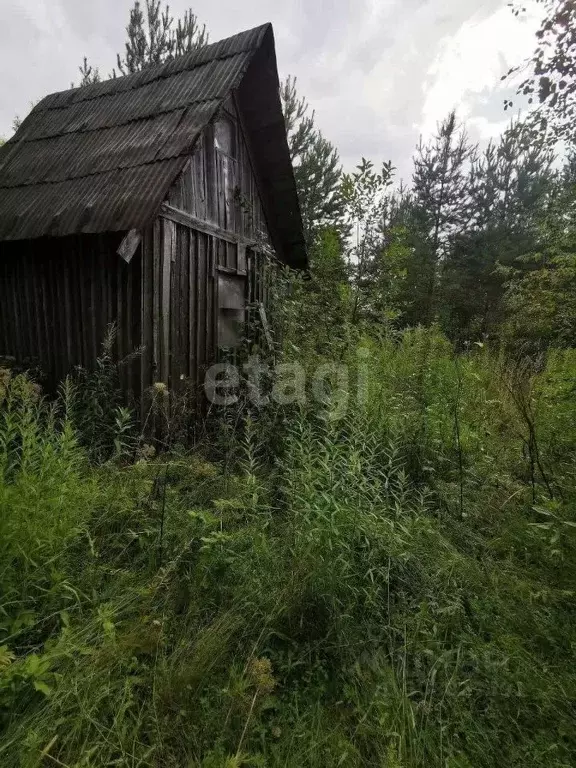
(316, 167)
(540, 295)
(88, 74)
(439, 210)
(507, 186)
(389, 271)
(152, 38)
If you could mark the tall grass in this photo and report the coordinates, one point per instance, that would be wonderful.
(393, 587)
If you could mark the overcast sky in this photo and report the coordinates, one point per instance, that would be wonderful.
(379, 73)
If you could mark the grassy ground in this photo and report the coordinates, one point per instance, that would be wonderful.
(391, 588)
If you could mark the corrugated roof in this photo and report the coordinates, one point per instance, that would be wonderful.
(102, 158)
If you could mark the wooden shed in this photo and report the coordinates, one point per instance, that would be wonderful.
(150, 201)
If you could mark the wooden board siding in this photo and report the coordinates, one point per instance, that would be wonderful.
(200, 238)
(178, 325)
(199, 189)
(58, 298)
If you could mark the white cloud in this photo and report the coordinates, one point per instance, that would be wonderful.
(466, 73)
(377, 72)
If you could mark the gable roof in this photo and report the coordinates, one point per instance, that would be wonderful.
(103, 157)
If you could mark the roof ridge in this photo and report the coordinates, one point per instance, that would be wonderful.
(38, 108)
(160, 67)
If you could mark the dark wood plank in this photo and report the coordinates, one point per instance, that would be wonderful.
(174, 316)
(211, 304)
(30, 307)
(184, 258)
(201, 305)
(168, 247)
(192, 318)
(147, 316)
(187, 219)
(157, 288)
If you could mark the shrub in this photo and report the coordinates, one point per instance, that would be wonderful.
(390, 585)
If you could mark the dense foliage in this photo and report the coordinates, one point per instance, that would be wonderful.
(316, 167)
(381, 572)
(474, 230)
(394, 589)
(548, 76)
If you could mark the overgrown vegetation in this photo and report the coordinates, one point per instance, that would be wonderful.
(394, 589)
(381, 573)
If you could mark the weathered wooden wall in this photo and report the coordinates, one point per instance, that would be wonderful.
(58, 297)
(212, 244)
(200, 188)
(178, 333)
